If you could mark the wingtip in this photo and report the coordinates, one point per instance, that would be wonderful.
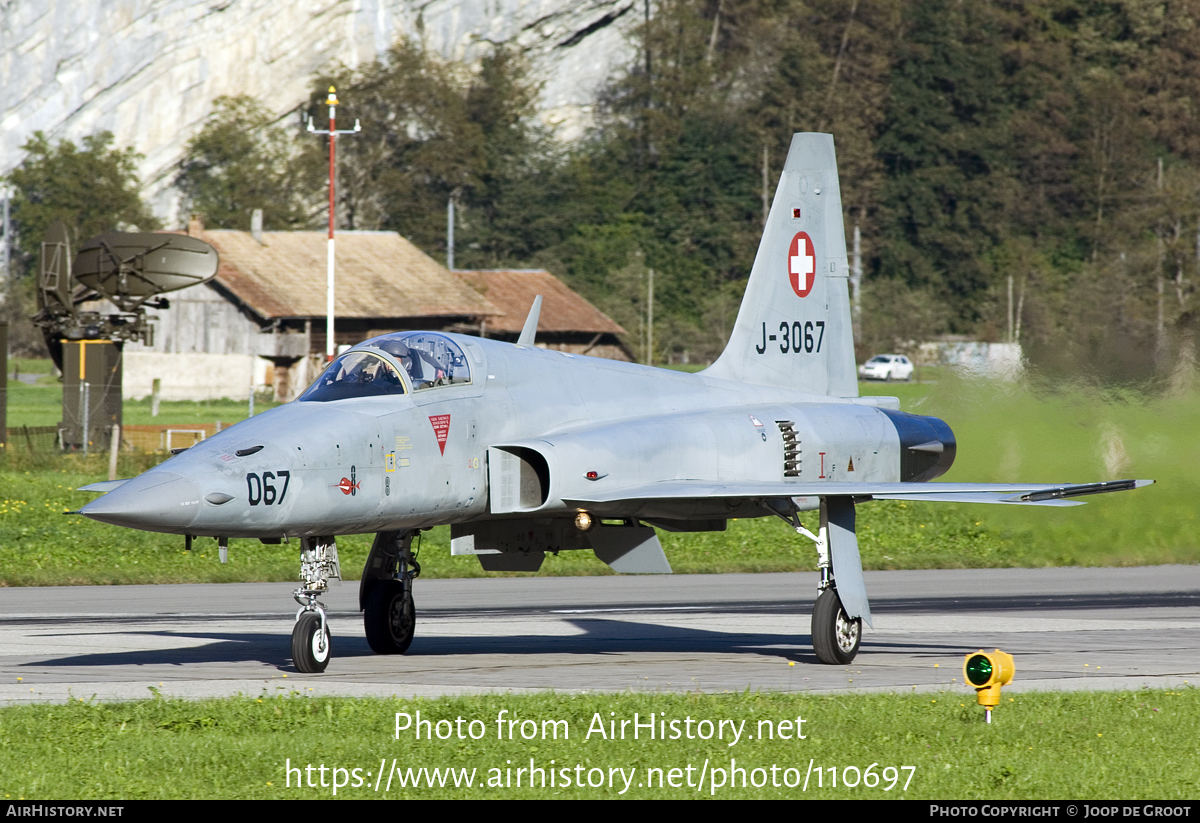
(104, 486)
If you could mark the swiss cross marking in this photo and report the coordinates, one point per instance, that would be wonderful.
(802, 264)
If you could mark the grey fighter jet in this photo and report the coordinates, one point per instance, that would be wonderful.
(522, 451)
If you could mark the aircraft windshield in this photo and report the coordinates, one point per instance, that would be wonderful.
(430, 359)
(355, 374)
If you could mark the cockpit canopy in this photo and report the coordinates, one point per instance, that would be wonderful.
(430, 359)
(355, 374)
(369, 369)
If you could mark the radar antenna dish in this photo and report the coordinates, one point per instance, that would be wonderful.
(130, 269)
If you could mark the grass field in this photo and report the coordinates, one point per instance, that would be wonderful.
(41, 405)
(1082, 746)
(1005, 433)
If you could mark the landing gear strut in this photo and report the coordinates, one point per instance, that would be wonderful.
(310, 635)
(835, 635)
(385, 595)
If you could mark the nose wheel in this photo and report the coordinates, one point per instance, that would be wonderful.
(310, 643)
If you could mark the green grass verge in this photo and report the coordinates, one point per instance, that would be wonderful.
(1093, 745)
(41, 405)
(42, 547)
(1005, 434)
(1011, 433)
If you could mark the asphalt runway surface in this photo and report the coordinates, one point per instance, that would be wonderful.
(1067, 629)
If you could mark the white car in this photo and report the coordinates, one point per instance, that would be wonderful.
(886, 367)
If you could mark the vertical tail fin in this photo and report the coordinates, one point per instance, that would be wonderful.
(793, 329)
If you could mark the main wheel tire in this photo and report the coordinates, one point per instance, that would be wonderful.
(390, 618)
(835, 637)
(310, 646)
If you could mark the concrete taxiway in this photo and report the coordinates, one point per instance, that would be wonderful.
(1067, 628)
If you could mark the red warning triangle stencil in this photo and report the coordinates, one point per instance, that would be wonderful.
(441, 429)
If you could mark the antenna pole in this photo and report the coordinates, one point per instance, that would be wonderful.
(332, 131)
(450, 234)
(4, 257)
(330, 343)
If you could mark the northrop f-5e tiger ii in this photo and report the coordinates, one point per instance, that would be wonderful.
(523, 451)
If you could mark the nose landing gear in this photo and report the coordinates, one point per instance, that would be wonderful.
(310, 635)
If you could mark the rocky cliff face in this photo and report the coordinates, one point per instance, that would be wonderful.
(148, 70)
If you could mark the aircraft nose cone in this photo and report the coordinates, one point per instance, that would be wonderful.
(161, 501)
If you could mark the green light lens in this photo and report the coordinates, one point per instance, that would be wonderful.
(979, 670)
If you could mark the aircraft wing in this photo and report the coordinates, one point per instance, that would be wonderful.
(103, 486)
(1029, 494)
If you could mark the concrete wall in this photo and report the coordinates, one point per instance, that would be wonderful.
(198, 376)
(1002, 361)
(192, 376)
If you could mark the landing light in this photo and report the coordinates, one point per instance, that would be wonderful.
(584, 522)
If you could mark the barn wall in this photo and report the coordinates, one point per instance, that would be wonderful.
(192, 376)
(201, 320)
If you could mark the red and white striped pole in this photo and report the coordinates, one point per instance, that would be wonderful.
(332, 131)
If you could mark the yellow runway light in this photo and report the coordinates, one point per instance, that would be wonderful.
(987, 672)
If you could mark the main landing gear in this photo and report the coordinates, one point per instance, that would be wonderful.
(835, 635)
(385, 594)
(310, 635)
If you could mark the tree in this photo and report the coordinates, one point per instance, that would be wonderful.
(672, 171)
(432, 129)
(946, 150)
(240, 161)
(93, 189)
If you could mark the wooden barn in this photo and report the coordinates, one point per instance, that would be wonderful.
(567, 321)
(261, 320)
